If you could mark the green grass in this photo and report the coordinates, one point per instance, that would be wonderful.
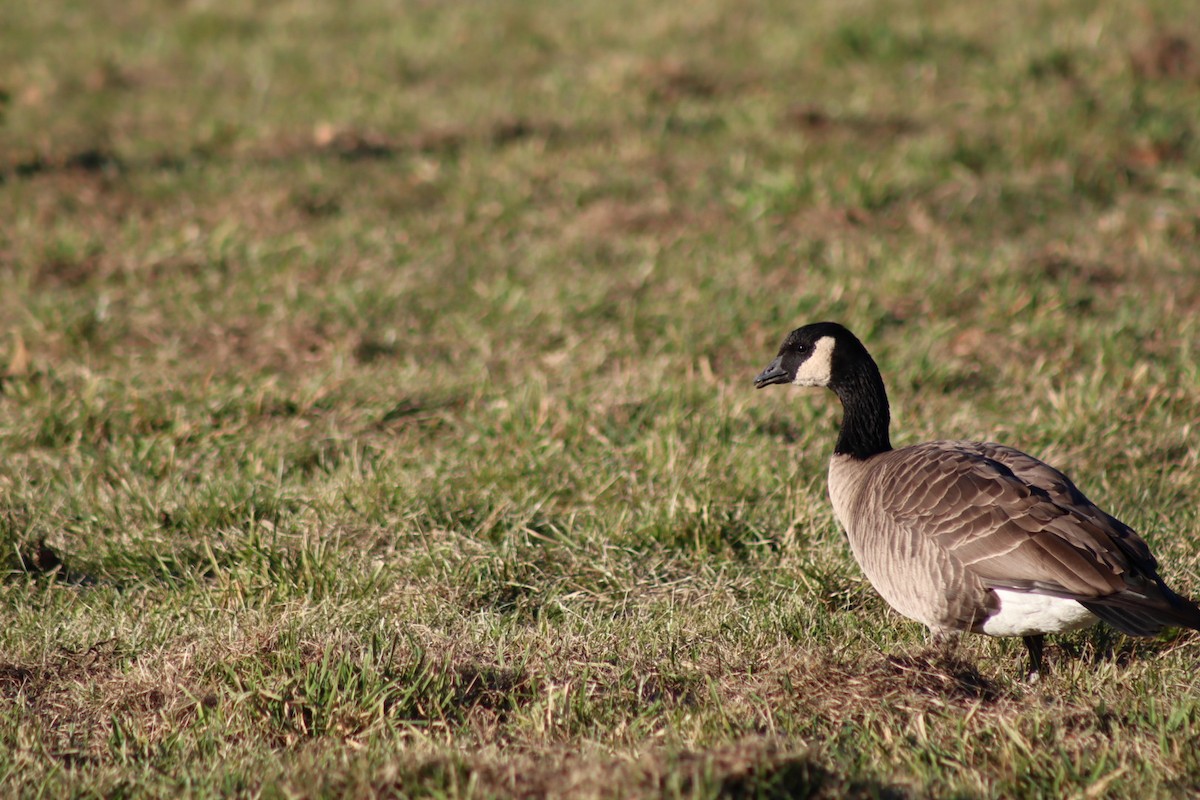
(376, 416)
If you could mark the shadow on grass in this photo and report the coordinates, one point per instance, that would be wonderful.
(769, 775)
(753, 768)
(937, 674)
(346, 145)
(1104, 644)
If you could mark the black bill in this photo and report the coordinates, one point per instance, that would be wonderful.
(774, 373)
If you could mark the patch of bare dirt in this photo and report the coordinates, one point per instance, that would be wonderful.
(93, 159)
(257, 345)
(670, 81)
(38, 680)
(606, 217)
(344, 143)
(756, 767)
(1166, 55)
(38, 558)
(351, 144)
(826, 687)
(33, 557)
(934, 674)
(1056, 264)
(75, 696)
(48, 692)
(68, 273)
(815, 120)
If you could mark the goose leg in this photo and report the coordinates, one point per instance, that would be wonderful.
(1034, 645)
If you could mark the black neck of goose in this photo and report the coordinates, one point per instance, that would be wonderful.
(865, 416)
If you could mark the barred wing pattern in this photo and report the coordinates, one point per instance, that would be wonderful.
(998, 518)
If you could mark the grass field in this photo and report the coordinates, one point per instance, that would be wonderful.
(376, 415)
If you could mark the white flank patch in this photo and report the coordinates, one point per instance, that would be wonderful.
(1027, 614)
(817, 369)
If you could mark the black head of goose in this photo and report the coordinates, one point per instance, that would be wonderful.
(972, 536)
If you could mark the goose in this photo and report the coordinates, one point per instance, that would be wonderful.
(967, 536)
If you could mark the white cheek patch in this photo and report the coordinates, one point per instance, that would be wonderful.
(817, 369)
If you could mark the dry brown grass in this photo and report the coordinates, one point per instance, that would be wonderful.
(375, 413)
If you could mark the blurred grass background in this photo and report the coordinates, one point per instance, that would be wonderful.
(376, 415)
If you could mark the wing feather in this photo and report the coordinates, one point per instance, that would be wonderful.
(1017, 523)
